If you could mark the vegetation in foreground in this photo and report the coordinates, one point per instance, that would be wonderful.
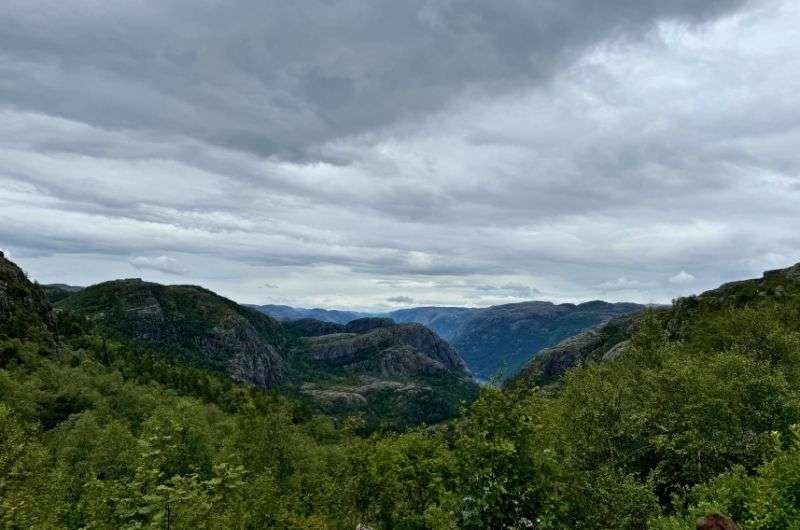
(94, 435)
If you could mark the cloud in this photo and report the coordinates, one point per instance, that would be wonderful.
(436, 146)
(623, 284)
(163, 264)
(313, 71)
(400, 300)
(682, 278)
(511, 289)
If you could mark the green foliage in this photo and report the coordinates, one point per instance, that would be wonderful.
(699, 415)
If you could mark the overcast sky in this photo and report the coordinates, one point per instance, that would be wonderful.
(377, 154)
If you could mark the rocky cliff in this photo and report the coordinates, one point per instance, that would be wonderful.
(386, 348)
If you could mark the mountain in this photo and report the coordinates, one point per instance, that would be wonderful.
(502, 338)
(495, 340)
(602, 343)
(378, 345)
(285, 312)
(446, 321)
(190, 323)
(396, 375)
(610, 340)
(58, 291)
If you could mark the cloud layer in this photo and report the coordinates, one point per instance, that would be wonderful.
(456, 151)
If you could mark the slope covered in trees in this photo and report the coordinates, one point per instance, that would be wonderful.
(698, 415)
(390, 375)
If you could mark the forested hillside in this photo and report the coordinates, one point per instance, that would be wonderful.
(699, 414)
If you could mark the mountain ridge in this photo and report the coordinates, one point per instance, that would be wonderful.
(497, 339)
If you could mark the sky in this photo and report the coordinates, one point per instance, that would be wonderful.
(383, 154)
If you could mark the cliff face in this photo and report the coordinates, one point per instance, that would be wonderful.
(188, 322)
(391, 349)
(24, 308)
(397, 374)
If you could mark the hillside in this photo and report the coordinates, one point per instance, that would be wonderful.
(699, 413)
(190, 323)
(446, 321)
(610, 340)
(394, 375)
(24, 309)
(58, 291)
(502, 338)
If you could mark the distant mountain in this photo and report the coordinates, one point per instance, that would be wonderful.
(190, 323)
(285, 312)
(446, 321)
(493, 340)
(610, 340)
(502, 338)
(58, 291)
(380, 346)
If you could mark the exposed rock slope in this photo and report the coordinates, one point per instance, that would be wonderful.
(604, 342)
(399, 374)
(389, 349)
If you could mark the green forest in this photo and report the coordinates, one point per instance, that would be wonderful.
(701, 415)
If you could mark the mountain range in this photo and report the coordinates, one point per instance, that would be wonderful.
(134, 404)
(494, 341)
(395, 374)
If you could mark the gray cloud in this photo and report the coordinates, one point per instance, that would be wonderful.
(454, 151)
(163, 264)
(277, 78)
(400, 300)
(511, 289)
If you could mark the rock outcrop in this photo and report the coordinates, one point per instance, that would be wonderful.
(407, 348)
